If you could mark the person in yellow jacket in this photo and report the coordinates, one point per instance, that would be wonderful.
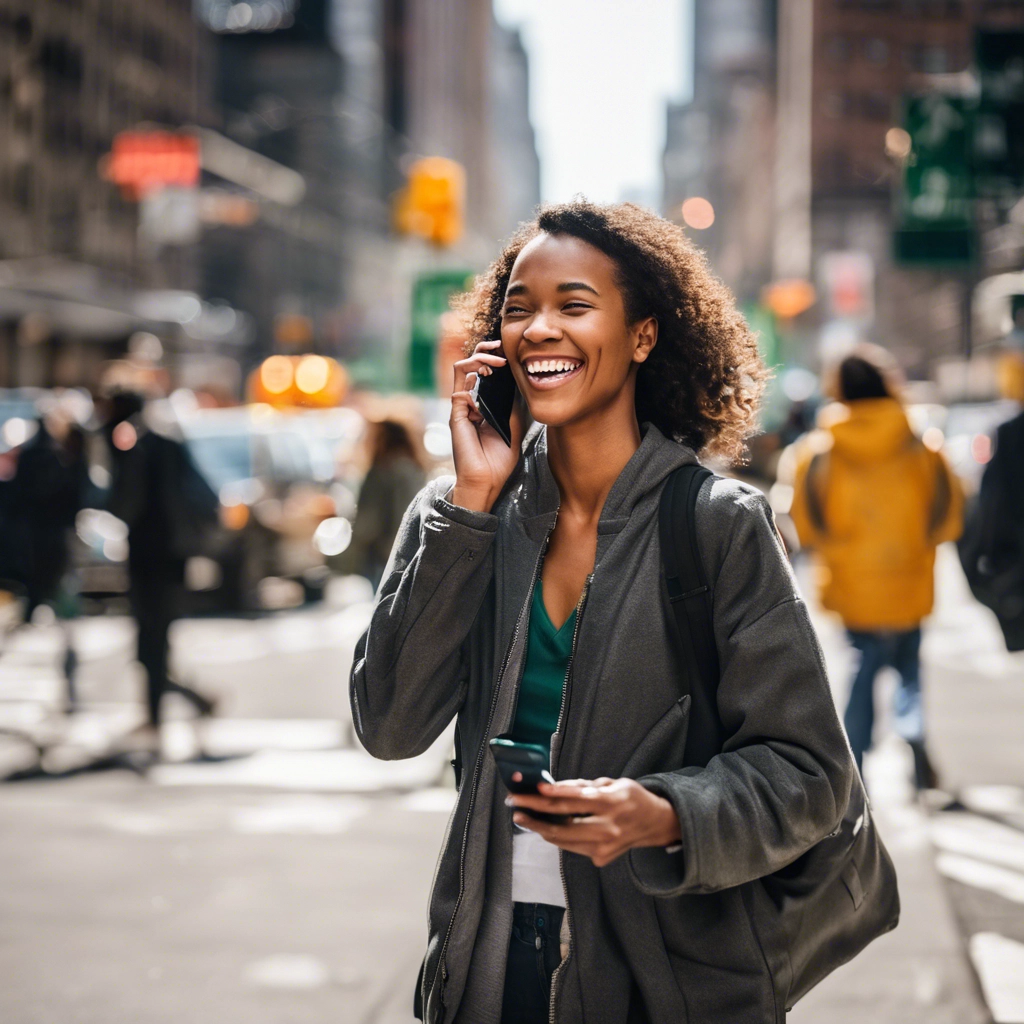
(873, 503)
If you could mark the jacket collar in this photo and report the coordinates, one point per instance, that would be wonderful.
(536, 497)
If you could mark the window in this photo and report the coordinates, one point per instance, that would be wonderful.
(837, 49)
(877, 52)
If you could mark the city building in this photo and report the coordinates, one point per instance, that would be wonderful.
(73, 75)
(719, 145)
(865, 58)
(786, 138)
(348, 93)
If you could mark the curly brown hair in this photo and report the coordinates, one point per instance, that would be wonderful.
(702, 383)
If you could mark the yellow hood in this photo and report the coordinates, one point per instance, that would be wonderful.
(868, 429)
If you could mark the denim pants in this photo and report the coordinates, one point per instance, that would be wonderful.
(533, 955)
(901, 651)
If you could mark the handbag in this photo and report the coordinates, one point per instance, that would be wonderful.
(841, 894)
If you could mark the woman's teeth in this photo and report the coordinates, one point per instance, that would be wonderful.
(551, 366)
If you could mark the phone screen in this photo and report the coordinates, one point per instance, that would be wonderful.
(495, 397)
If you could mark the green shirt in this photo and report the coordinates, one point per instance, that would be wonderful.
(547, 661)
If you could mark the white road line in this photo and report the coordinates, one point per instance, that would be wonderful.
(994, 799)
(979, 875)
(999, 962)
(976, 837)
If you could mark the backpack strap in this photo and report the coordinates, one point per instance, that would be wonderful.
(690, 597)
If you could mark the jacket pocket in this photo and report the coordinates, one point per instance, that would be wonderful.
(662, 749)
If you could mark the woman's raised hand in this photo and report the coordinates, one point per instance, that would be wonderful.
(483, 461)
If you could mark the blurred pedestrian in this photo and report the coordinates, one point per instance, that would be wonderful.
(992, 547)
(394, 478)
(874, 502)
(528, 596)
(168, 508)
(39, 508)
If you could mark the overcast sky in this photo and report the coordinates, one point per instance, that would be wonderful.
(600, 73)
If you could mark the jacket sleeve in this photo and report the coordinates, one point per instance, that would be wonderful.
(408, 676)
(783, 779)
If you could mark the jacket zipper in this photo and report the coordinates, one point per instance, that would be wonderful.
(561, 854)
(442, 967)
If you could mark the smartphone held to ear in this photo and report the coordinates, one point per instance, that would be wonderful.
(495, 396)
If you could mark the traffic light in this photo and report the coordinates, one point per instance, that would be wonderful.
(935, 211)
(432, 202)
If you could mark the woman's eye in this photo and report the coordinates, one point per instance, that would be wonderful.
(510, 310)
(577, 305)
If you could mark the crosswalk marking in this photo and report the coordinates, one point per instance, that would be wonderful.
(976, 837)
(980, 875)
(999, 962)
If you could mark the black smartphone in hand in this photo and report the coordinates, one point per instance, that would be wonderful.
(495, 396)
(528, 761)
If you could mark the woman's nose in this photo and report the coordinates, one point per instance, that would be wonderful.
(542, 327)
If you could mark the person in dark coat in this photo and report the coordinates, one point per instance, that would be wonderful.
(38, 512)
(158, 493)
(992, 547)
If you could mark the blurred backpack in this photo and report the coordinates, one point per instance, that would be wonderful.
(992, 546)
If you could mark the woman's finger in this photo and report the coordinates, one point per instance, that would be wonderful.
(471, 364)
(558, 805)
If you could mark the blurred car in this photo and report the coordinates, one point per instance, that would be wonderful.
(284, 507)
(276, 474)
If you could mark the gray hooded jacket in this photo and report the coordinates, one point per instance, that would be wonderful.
(656, 936)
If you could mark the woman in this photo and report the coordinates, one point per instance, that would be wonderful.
(392, 481)
(630, 358)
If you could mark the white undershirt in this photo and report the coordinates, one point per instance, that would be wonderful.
(536, 871)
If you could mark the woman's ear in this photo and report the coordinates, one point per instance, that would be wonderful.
(645, 337)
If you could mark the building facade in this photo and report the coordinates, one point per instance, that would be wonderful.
(73, 75)
(719, 146)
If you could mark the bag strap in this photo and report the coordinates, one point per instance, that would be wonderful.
(690, 597)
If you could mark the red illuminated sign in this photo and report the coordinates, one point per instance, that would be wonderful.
(140, 162)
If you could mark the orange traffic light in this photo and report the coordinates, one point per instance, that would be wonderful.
(432, 202)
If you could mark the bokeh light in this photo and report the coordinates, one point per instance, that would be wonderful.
(698, 213)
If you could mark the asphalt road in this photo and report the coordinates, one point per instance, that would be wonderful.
(285, 879)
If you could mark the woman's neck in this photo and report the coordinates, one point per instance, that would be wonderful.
(587, 457)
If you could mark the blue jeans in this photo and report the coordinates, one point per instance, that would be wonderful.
(901, 651)
(533, 955)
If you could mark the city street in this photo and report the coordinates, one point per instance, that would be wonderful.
(284, 876)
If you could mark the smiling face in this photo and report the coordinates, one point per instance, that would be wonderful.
(564, 331)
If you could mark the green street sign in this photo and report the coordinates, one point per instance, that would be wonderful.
(935, 209)
(431, 295)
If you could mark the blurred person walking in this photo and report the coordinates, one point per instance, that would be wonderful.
(394, 478)
(40, 503)
(168, 508)
(533, 598)
(874, 503)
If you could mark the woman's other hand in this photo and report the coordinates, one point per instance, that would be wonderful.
(483, 461)
(610, 816)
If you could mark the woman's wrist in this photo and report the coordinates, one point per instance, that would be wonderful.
(473, 499)
(668, 830)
